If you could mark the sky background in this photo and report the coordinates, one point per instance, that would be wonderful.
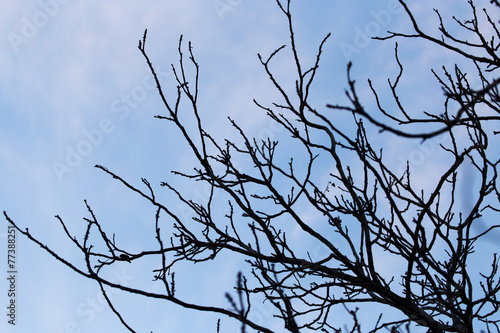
(75, 91)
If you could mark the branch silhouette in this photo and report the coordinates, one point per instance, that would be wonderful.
(319, 215)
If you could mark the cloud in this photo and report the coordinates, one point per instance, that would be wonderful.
(82, 66)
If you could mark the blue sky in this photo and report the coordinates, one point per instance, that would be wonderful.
(75, 92)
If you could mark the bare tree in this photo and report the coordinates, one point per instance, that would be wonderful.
(367, 211)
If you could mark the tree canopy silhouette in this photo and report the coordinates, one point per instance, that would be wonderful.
(368, 211)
